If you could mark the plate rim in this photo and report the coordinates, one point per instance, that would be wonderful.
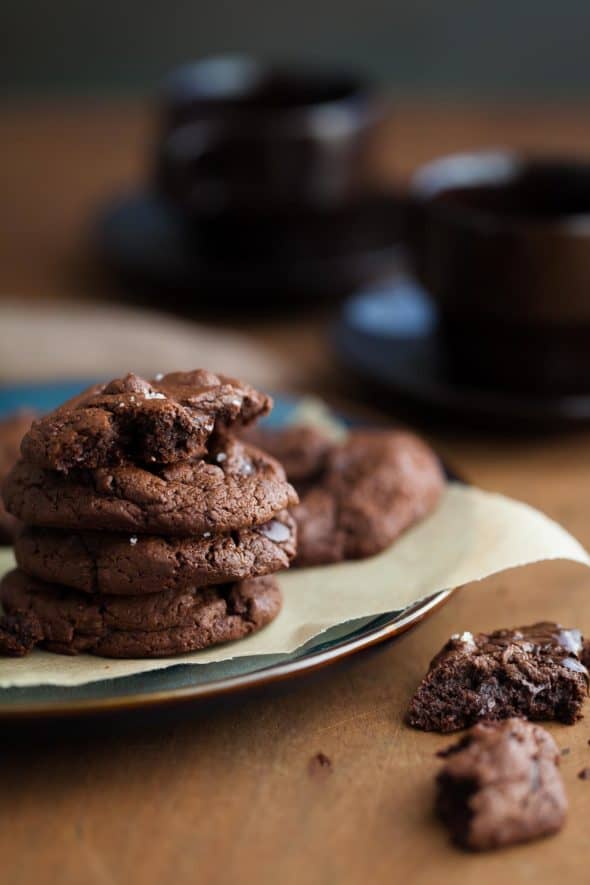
(233, 684)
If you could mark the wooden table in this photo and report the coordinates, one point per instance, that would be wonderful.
(230, 793)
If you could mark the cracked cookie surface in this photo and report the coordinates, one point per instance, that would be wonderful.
(134, 421)
(103, 562)
(236, 486)
(166, 623)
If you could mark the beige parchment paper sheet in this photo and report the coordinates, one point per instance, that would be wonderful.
(471, 535)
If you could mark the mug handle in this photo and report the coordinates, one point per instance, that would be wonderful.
(183, 150)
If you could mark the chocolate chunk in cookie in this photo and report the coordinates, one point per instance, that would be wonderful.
(372, 488)
(157, 624)
(103, 562)
(535, 672)
(236, 486)
(12, 430)
(134, 421)
(501, 785)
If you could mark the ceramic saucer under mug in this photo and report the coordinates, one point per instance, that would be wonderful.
(189, 682)
(388, 335)
(151, 246)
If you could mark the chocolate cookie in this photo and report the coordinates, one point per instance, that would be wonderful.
(174, 622)
(235, 486)
(133, 421)
(102, 562)
(301, 449)
(12, 430)
(501, 785)
(372, 487)
(535, 672)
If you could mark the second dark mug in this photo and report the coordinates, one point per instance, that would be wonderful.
(501, 241)
(241, 136)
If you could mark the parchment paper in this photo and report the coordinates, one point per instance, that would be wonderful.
(52, 339)
(472, 534)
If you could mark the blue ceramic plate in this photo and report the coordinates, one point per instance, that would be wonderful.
(188, 682)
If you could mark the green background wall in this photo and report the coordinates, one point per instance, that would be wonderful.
(495, 48)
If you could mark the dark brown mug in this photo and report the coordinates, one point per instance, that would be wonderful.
(241, 136)
(502, 243)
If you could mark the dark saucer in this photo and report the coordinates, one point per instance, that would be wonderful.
(150, 244)
(389, 336)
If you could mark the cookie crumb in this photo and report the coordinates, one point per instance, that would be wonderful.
(565, 751)
(446, 751)
(584, 774)
(319, 765)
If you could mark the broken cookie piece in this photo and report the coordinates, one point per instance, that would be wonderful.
(500, 785)
(535, 672)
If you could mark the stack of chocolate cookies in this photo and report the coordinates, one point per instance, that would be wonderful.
(149, 529)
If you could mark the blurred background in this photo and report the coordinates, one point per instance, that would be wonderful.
(458, 48)
(101, 269)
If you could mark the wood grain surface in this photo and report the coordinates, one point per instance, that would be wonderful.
(234, 791)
